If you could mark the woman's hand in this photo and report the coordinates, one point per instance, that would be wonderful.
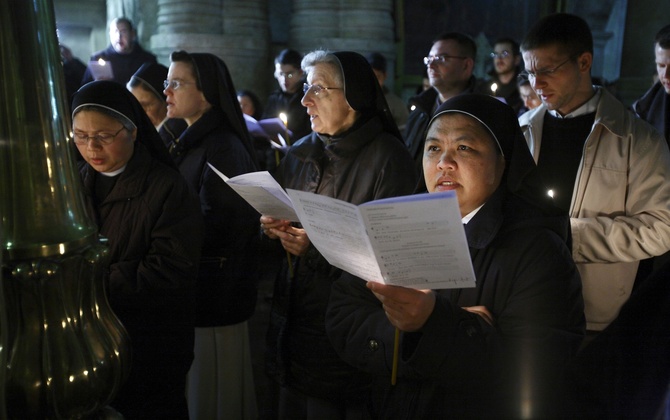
(293, 239)
(407, 309)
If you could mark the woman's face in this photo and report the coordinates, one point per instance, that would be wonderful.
(103, 157)
(156, 109)
(461, 155)
(185, 101)
(247, 105)
(328, 110)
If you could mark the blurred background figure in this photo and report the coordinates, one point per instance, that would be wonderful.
(396, 105)
(250, 104)
(286, 99)
(503, 78)
(124, 53)
(527, 94)
(147, 87)
(73, 70)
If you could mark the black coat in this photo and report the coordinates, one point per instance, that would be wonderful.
(227, 282)
(123, 65)
(457, 365)
(363, 165)
(654, 107)
(151, 219)
(296, 114)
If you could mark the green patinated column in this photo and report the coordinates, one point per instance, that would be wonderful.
(63, 353)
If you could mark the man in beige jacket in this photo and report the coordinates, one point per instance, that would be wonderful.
(607, 168)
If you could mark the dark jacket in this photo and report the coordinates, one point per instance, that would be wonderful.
(654, 107)
(296, 114)
(415, 130)
(363, 165)
(227, 282)
(123, 65)
(458, 366)
(151, 219)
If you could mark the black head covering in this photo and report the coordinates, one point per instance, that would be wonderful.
(362, 90)
(520, 177)
(217, 86)
(152, 76)
(115, 97)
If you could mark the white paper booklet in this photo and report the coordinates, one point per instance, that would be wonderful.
(101, 70)
(415, 241)
(262, 192)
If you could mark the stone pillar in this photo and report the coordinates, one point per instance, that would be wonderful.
(351, 25)
(237, 31)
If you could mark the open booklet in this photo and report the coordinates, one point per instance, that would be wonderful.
(262, 192)
(412, 241)
(415, 241)
(270, 128)
(101, 69)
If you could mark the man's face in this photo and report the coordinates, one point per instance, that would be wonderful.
(563, 83)
(505, 61)
(122, 38)
(662, 64)
(452, 71)
(288, 77)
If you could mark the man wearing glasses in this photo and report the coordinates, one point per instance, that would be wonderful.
(608, 169)
(503, 82)
(287, 98)
(450, 64)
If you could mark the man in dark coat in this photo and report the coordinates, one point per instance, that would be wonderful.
(450, 64)
(124, 53)
(654, 106)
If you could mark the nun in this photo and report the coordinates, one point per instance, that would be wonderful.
(144, 208)
(199, 90)
(147, 86)
(493, 351)
(355, 154)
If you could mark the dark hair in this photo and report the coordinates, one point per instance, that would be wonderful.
(289, 57)
(466, 44)
(184, 57)
(122, 19)
(377, 61)
(510, 41)
(663, 37)
(522, 79)
(569, 32)
(258, 108)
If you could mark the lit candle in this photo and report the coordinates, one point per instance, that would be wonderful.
(494, 87)
(284, 119)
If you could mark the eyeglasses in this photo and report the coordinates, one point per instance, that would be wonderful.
(316, 89)
(547, 72)
(289, 75)
(503, 54)
(175, 84)
(440, 58)
(82, 139)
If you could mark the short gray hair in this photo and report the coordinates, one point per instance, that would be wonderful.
(323, 57)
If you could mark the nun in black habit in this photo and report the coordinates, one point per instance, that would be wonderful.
(354, 154)
(493, 351)
(144, 208)
(200, 90)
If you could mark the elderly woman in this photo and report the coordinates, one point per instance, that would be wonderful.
(199, 90)
(496, 350)
(354, 154)
(144, 208)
